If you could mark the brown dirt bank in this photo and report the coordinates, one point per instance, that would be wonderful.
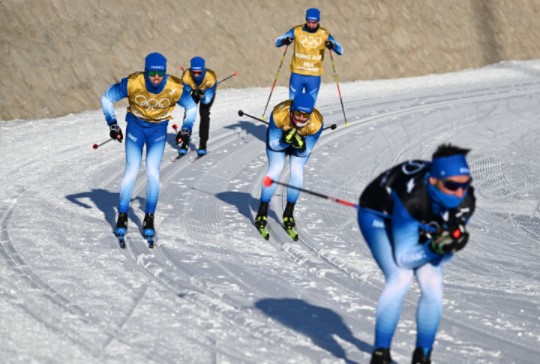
(58, 56)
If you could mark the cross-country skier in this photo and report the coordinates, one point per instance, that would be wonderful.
(294, 128)
(413, 218)
(310, 41)
(152, 96)
(201, 83)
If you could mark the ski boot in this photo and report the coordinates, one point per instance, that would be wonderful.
(288, 221)
(121, 229)
(201, 152)
(381, 356)
(148, 229)
(421, 357)
(261, 220)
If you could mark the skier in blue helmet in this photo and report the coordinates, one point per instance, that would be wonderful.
(310, 41)
(294, 128)
(413, 218)
(201, 83)
(152, 96)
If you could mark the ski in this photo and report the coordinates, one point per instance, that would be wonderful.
(263, 230)
(176, 157)
(121, 241)
(197, 157)
(150, 241)
(292, 233)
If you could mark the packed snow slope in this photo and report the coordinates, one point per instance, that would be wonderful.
(212, 291)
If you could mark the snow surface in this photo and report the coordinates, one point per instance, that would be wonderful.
(212, 291)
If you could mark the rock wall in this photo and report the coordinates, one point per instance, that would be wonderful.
(58, 56)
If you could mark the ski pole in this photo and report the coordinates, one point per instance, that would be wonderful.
(226, 78)
(338, 89)
(275, 79)
(267, 181)
(97, 145)
(241, 113)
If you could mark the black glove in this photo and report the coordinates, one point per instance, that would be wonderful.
(115, 132)
(449, 240)
(288, 136)
(330, 45)
(182, 138)
(197, 95)
(299, 142)
(287, 41)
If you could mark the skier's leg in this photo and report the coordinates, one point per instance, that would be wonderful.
(134, 148)
(429, 311)
(297, 177)
(276, 162)
(156, 139)
(398, 280)
(204, 127)
(313, 84)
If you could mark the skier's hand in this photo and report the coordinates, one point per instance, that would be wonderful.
(299, 142)
(288, 136)
(115, 132)
(197, 95)
(330, 45)
(287, 41)
(182, 138)
(449, 240)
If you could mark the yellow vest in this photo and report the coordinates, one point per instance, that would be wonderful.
(282, 119)
(309, 51)
(150, 107)
(209, 80)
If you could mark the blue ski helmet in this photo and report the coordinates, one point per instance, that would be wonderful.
(304, 103)
(313, 14)
(155, 61)
(197, 64)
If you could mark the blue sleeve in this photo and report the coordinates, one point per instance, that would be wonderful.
(338, 48)
(186, 101)
(116, 92)
(408, 253)
(209, 94)
(311, 140)
(274, 136)
(289, 34)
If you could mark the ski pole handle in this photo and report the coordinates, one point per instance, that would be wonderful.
(333, 127)
(241, 113)
(97, 145)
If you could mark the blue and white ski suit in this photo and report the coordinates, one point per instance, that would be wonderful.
(147, 117)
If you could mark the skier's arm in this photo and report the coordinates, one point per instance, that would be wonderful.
(209, 94)
(116, 92)
(338, 48)
(274, 136)
(408, 253)
(310, 140)
(186, 101)
(280, 39)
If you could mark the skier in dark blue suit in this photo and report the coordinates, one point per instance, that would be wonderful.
(413, 219)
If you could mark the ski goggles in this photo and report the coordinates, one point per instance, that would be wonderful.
(154, 73)
(196, 73)
(454, 186)
(300, 118)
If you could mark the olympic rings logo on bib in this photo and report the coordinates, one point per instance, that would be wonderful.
(308, 41)
(152, 104)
